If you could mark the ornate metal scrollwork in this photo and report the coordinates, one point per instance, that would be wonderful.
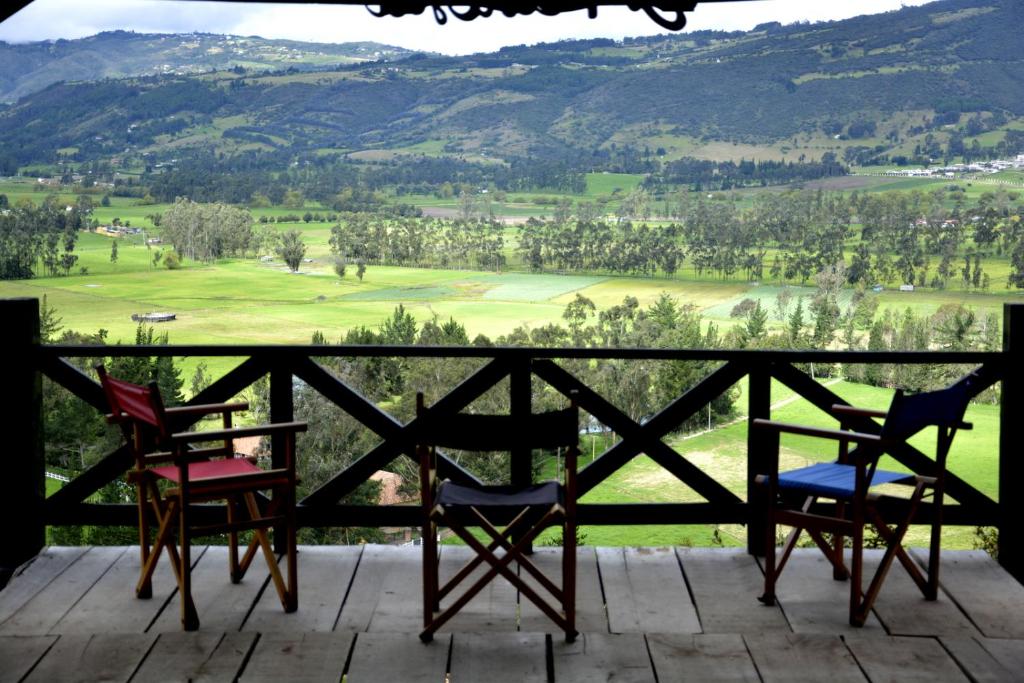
(668, 15)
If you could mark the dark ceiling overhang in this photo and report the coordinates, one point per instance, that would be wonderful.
(668, 15)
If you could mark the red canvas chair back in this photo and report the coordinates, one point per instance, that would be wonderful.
(133, 402)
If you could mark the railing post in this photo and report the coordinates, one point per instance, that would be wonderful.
(1011, 465)
(282, 409)
(521, 404)
(759, 401)
(23, 486)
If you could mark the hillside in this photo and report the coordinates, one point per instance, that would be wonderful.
(28, 68)
(914, 84)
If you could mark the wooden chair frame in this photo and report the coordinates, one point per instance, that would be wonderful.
(855, 511)
(514, 540)
(153, 443)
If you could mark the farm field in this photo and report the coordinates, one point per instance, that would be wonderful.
(223, 302)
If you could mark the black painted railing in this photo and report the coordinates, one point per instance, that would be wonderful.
(26, 511)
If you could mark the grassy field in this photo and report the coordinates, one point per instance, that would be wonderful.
(248, 301)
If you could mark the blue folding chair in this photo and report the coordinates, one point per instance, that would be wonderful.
(848, 481)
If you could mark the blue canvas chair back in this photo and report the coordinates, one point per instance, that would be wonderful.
(909, 414)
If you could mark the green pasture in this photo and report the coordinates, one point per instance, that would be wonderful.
(249, 301)
(599, 184)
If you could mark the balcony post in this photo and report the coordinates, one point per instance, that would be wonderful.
(759, 402)
(1011, 465)
(282, 409)
(23, 486)
(521, 404)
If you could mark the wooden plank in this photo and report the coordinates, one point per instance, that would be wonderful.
(978, 662)
(1008, 652)
(710, 658)
(902, 658)
(196, 657)
(499, 658)
(812, 600)
(725, 583)
(798, 657)
(387, 592)
(990, 597)
(18, 654)
(222, 605)
(492, 609)
(398, 657)
(598, 657)
(590, 613)
(325, 573)
(40, 614)
(82, 658)
(903, 611)
(111, 600)
(35, 575)
(298, 658)
(645, 591)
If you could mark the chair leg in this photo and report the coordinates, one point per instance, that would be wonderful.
(230, 505)
(260, 537)
(770, 573)
(839, 571)
(293, 550)
(858, 613)
(166, 512)
(497, 566)
(144, 589)
(932, 592)
(569, 579)
(430, 570)
(189, 616)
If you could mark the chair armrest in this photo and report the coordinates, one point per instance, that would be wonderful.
(843, 409)
(823, 433)
(238, 432)
(207, 408)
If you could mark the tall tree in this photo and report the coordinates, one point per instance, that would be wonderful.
(292, 249)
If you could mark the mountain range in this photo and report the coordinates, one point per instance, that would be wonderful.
(889, 83)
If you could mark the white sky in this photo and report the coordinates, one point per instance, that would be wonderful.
(52, 19)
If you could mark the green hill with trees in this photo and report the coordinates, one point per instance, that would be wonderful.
(919, 85)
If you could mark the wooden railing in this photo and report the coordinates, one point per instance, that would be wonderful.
(26, 511)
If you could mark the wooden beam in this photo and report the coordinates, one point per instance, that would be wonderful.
(74, 380)
(23, 485)
(91, 480)
(1011, 465)
(759, 457)
(401, 440)
(646, 438)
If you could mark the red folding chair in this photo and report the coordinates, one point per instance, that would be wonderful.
(170, 476)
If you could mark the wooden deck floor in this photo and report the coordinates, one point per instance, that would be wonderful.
(645, 615)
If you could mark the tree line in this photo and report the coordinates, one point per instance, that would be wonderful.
(427, 242)
(911, 238)
(39, 240)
